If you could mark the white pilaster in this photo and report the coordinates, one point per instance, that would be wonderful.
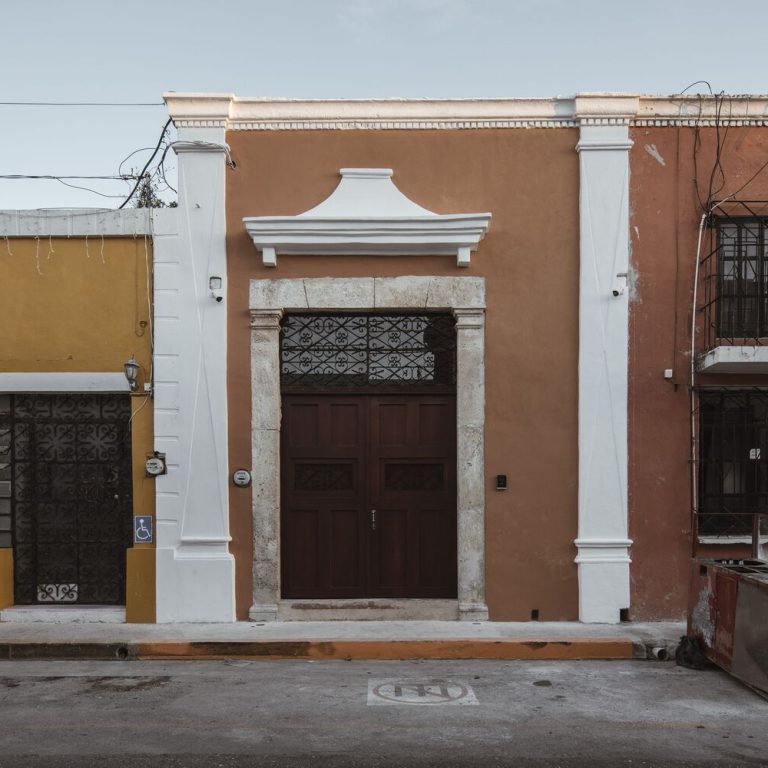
(603, 543)
(195, 571)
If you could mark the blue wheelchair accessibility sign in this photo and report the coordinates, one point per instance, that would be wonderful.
(142, 529)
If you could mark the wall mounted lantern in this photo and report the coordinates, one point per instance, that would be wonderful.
(131, 370)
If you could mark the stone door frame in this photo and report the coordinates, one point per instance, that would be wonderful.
(464, 297)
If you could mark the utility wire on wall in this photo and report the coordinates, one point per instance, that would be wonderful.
(148, 163)
(716, 183)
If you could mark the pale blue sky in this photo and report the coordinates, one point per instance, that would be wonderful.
(101, 50)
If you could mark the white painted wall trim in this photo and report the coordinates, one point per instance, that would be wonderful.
(746, 110)
(63, 614)
(85, 222)
(465, 296)
(603, 551)
(603, 543)
(64, 382)
(365, 215)
(730, 540)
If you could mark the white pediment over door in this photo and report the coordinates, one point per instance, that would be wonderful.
(368, 215)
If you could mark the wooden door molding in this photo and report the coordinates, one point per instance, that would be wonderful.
(465, 298)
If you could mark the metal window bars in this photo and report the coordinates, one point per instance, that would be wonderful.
(734, 275)
(733, 461)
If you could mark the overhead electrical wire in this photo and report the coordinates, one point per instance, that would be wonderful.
(128, 157)
(748, 181)
(158, 174)
(120, 177)
(148, 163)
(65, 180)
(87, 189)
(696, 82)
(81, 104)
(161, 168)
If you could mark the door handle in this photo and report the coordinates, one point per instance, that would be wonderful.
(373, 519)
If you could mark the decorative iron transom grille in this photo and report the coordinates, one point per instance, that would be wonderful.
(367, 351)
(70, 466)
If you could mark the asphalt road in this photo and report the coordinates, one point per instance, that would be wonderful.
(385, 713)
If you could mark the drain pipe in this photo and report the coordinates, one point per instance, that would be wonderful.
(660, 653)
(694, 436)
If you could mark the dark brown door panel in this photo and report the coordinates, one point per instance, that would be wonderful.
(368, 496)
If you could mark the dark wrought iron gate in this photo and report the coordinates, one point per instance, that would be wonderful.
(71, 496)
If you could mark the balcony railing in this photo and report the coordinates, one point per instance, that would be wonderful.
(733, 291)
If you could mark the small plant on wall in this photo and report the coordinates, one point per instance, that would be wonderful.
(147, 196)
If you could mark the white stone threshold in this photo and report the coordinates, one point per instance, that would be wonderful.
(63, 614)
(368, 609)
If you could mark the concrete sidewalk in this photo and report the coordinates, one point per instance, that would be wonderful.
(341, 640)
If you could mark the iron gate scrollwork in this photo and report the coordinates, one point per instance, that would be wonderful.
(368, 351)
(71, 493)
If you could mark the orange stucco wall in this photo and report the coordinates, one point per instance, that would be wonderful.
(71, 304)
(664, 220)
(528, 179)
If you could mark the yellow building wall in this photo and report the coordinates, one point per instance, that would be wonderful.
(6, 578)
(83, 304)
(140, 577)
(74, 304)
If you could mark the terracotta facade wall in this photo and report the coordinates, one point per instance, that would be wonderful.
(664, 220)
(528, 179)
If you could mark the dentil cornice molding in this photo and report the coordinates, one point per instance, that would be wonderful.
(225, 110)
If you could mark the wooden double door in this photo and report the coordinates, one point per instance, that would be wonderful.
(368, 496)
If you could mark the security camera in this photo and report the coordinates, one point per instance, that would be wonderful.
(216, 285)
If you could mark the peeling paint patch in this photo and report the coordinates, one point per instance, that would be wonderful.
(654, 153)
(637, 232)
(633, 283)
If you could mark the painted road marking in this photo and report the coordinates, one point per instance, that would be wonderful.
(420, 691)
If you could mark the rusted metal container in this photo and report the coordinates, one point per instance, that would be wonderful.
(728, 614)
